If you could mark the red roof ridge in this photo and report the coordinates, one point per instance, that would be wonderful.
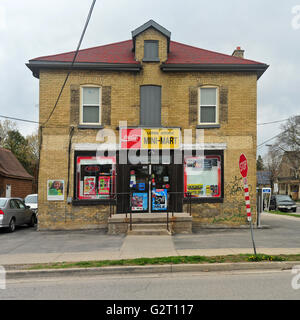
(69, 52)
(215, 52)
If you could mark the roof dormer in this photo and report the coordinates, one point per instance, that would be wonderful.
(151, 42)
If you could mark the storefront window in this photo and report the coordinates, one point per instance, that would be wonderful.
(95, 177)
(202, 176)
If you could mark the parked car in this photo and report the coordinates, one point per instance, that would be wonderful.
(282, 203)
(32, 201)
(14, 212)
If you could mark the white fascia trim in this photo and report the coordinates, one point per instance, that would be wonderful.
(115, 147)
(205, 146)
(95, 146)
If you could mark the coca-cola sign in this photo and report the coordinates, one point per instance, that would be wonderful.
(131, 138)
(92, 168)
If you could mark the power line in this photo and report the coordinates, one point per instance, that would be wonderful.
(74, 58)
(18, 119)
(260, 145)
(261, 124)
(276, 121)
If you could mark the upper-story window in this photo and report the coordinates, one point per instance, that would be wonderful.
(151, 50)
(90, 111)
(208, 109)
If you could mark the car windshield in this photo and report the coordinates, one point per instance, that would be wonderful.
(284, 198)
(31, 199)
(2, 203)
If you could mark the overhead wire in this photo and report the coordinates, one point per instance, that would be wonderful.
(73, 61)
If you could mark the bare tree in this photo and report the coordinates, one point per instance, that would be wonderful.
(286, 149)
(272, 163)
(33, 146)
(5, 127)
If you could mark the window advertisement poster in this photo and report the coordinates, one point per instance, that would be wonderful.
(195, 189)
(202, 176)
(95, 177)
(89, 186)
(55, 190)
(159, 199)
(139, 202)
(104, 185)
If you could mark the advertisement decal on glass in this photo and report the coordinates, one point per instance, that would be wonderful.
(202, 176)
(139, 202)
(159, 199)
(103, 185)
(95, 177)
(89, 186)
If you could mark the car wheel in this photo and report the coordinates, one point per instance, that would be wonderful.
(12, 225)
(32, 221)
(294, 210)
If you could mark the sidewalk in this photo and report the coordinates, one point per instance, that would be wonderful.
(134, 247)
(26, 246)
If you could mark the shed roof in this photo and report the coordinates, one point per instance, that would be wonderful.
(11, 167)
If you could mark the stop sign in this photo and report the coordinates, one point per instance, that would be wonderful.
(243, 165)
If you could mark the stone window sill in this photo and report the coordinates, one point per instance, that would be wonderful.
(90, 126)
(208, 126)
(151, 60)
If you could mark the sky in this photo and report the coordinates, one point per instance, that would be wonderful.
(268, 31)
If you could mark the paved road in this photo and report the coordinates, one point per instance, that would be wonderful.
(231, 285)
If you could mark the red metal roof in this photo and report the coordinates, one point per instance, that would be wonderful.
(184, 54)
(121, 52)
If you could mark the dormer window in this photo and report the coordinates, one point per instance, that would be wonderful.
(151, 51)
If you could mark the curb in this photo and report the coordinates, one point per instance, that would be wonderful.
(211, 267)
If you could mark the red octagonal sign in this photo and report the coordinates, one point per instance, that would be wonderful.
(243, 165)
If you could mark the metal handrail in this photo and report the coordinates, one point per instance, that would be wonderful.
(185, 196)
(168, 221)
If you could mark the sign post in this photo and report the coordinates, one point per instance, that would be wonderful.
(243, 165)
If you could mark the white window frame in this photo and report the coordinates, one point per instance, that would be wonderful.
(216, 105)
(96, 105)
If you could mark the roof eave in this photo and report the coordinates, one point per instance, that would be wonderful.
(16, 176)
(36, 65)
(190, 67)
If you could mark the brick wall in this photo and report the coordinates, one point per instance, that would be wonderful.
(121, 101)
(19, 188)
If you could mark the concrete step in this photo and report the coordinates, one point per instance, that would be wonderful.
(149, 232)
(150, 223)
(152, 226)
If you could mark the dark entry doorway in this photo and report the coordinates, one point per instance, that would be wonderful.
(149, 188)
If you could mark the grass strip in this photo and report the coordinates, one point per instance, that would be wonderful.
(167, 260)
(284, 213)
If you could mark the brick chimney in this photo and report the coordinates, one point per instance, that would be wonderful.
(238, 52)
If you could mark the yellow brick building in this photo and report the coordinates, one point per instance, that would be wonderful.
(106, 142)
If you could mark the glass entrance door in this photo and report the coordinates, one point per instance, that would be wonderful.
(139, 188)
(149, 188)
(160, 187)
